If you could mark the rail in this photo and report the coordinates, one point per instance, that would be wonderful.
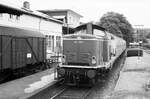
(73, 93)
(58, 94)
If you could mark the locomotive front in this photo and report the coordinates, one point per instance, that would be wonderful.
(82, 54)
(79, 55)
(80, 50)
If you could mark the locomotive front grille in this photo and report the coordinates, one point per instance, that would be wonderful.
(79, 64)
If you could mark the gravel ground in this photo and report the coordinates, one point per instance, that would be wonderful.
(104, 89)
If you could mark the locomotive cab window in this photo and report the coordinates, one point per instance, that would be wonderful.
(98, 32)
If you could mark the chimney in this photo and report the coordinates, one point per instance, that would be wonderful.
(26, 5)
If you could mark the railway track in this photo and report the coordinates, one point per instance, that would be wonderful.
(100, 90)
(49, 92)
(73, 93)
(58, 91)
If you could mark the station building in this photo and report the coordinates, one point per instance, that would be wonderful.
(69, 18)
(24, 17)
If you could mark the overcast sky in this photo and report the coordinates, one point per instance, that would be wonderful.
(136, 11)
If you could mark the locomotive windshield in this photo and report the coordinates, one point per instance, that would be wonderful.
(90, 29)
(98, 32)
(81, 31)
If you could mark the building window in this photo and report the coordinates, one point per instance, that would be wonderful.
(50, 42)
(17, 17)
(58, 43)
(1, 15)
(13, 18)
(10, 16)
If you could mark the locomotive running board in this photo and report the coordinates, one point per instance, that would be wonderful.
(77, 66)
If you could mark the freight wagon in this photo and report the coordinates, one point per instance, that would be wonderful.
(19, 48)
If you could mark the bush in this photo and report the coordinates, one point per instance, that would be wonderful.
(146, 46)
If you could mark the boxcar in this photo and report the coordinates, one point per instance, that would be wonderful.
(20, 47)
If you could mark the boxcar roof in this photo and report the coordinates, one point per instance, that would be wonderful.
(19, 32)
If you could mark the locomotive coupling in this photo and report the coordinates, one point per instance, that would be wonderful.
(61, 71)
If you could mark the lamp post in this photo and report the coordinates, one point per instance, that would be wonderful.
(138, 37)
(139, 27)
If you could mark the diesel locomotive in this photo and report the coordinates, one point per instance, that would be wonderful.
(88, 54)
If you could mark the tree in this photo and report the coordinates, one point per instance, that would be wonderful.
(117, 24)
(148, 35)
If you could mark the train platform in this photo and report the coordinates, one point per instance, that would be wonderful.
(25, 87)
(133, 80)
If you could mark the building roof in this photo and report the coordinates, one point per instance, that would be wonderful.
(60, 10)
(18, 32)
(19, 11)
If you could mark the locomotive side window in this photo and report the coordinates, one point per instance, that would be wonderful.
(98, 32)
(82, 31)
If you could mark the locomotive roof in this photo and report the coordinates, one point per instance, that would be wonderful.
(18, 32)
(86, 36)
(83, 26)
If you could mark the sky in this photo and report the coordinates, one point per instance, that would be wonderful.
(135, 11)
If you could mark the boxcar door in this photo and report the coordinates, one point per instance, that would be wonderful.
(18, 52)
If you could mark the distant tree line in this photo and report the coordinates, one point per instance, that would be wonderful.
(118, 25)
(148, 35)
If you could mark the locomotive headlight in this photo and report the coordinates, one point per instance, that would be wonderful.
(61, 71)
(93, 60)
(91, 73)
(63, 59)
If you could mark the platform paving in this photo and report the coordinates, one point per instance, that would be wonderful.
(27, 86)
(134, 78)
